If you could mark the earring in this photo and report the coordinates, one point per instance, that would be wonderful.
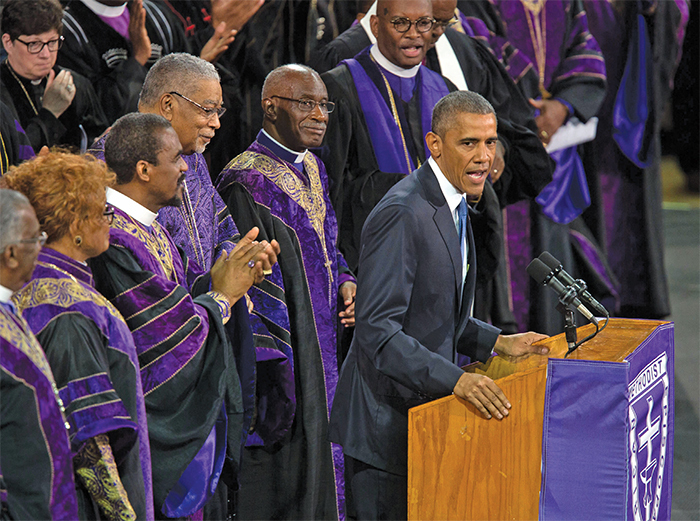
(78, 240)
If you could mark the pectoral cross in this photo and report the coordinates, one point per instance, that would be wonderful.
(328, 265)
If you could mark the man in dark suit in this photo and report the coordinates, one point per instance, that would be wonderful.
(415, 291)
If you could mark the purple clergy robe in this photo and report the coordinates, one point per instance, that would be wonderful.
(188, 370)
(97, 371)
(295, 323)
(36, 464)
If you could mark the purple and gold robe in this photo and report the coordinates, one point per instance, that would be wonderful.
(201, 225)
(190, 382)
(36, 469)
(295, 325)
(91, 352)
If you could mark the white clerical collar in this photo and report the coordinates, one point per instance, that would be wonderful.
(130, 207)
(452, 195)
(104, 10)
(5, 294)
(365, 22)
(299, 155)
(384, 63)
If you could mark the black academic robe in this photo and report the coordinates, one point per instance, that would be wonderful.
(40, 125)
(105, 57)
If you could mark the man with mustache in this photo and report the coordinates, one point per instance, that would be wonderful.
(279, 186)
(181, 319)
(185, 90)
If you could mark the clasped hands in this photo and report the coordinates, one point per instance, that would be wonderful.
(481, 391)
(234, 273)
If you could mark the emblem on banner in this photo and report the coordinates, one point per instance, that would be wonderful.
(648, 437)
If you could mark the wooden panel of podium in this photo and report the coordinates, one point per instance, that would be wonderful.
(588, 435)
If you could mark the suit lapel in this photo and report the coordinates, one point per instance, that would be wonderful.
(443, 220)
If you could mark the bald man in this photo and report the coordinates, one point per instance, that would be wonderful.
(291, 470)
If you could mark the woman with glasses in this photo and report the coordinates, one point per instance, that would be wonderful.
(87, 342)
(54, 105)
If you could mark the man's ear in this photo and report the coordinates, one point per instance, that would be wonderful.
(374, 24)
(434, 144)
(269, 109)
(166, 106)
(142, 171)
(9, 256)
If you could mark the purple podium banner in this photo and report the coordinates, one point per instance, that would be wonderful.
(607, 444)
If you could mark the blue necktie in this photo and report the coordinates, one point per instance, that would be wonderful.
(462, 214)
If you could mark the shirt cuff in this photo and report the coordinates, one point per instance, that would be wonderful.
(345, 277)
(223, 303)
(568, 106)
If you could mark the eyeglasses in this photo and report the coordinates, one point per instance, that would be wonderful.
(108, 214)
(208, 112)
(41, 239)
(307, 105)
(403, 25)
(442, 24)
(37, 47)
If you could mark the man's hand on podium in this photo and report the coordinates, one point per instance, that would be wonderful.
(521, 344)
(481, 391)
(484, 394)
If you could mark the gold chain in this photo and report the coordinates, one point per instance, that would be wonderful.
(395, 114)
(36, 112)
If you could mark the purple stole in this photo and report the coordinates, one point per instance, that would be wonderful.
(23, 359)
(384, 130)
(156, 252)
(61, 285)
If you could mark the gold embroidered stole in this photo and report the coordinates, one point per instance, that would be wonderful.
(309, 198)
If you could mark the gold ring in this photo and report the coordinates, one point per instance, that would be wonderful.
(544, 134)
(267, 272)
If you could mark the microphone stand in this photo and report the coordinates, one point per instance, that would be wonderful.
(570, 326)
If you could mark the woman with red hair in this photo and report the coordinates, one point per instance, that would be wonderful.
(87, 342)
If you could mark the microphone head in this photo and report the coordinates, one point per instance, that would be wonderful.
(539, 271)
(550, 260)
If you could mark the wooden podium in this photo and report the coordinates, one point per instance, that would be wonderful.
(588, 437)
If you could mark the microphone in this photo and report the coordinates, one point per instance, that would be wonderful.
(568, 280)
(539, 271)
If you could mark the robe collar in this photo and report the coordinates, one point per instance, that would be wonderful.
(281, 151)
(63, 262)
(104, 10)
(130, 207)
(392, 68)
(5, 294)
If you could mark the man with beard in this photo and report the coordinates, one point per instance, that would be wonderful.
(279, 186)
(185, 90)
(177, 314)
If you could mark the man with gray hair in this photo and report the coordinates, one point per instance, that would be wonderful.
(185, 90)
(415, 289)
(35, 454)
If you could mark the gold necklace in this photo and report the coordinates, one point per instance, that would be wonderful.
(29, 98)
(395, 114)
